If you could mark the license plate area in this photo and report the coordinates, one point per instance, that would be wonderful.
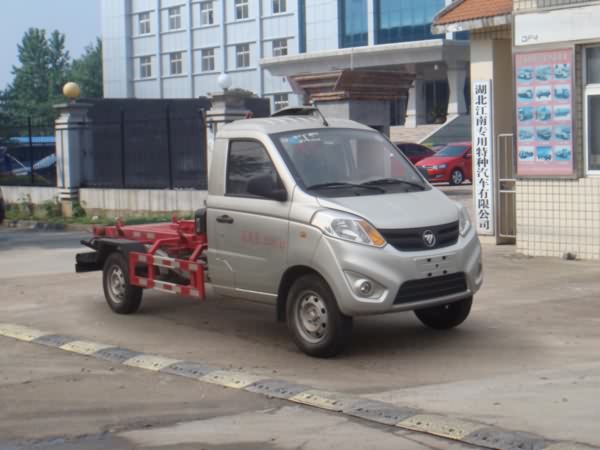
(436, 266)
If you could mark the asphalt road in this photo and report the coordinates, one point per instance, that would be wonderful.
(527, 359)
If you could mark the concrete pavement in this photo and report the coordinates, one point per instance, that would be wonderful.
(530, 345)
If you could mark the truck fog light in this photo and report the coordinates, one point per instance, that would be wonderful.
(363, 286)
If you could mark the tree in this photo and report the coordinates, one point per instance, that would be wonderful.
(58, 63)
(86, 71)
(38, 80)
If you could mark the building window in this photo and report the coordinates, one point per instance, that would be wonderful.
(208, 60)
(176, 63)
(279, 6)
(405, 21)
(207, 15)
(242, 55)
(144, 23)
(241, 9)
(280, 47)
(280, 101)
(592, 108)
(354, 27)
(145, 67)
(175, 18)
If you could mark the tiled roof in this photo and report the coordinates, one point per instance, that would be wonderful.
(466, 10)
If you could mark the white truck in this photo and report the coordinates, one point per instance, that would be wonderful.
(324, 220)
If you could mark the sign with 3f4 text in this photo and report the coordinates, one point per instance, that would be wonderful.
(483, 141)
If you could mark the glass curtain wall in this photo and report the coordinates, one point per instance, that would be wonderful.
(405, 20)
(354, 27)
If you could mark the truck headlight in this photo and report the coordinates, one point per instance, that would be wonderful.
(347, 227)
(464, 220)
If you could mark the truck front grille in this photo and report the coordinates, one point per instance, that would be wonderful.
(411, 239)
(430, 288)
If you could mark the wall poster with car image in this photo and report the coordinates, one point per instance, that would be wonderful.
(544, 90)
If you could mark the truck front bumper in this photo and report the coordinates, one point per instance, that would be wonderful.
(406, 280)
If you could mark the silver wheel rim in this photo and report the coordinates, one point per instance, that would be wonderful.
(312, 317)
(457, 177)
(116, 284)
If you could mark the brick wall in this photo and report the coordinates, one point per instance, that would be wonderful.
(520, 5)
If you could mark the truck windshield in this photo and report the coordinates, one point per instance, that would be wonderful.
(338, 159)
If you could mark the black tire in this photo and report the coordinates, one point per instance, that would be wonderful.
(310, 296)
(122, 297)
(457, 177)
(445, 317)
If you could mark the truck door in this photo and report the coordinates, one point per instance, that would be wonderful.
(253, 230)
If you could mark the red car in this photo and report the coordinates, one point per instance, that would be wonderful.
(414, 152)
(452, 164)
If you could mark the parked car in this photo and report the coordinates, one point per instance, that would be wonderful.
(2, 207)
(452, 164)
(414, 152)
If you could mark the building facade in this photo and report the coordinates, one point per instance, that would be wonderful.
(558, 194)
(178, 48)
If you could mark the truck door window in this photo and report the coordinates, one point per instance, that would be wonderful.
(246, 160)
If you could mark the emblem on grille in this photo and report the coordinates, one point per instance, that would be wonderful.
(429, 239)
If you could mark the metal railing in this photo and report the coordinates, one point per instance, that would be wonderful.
(507, 187)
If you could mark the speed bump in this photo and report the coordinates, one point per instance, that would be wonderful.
(401, 417)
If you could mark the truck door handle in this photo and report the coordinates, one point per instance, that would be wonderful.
(225, 219)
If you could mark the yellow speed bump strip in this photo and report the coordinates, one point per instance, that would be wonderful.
(150, 362)
(478, 434)
(440, 426)
(20, 332)
(83, 347)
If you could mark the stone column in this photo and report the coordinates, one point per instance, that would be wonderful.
(415, 111)
(457, 76)
(73, 141)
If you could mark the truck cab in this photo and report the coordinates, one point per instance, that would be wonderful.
(328, 221)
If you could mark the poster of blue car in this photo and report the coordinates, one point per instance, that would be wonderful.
(544, 110)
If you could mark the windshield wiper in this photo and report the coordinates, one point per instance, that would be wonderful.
(339, 184)
(383, 181)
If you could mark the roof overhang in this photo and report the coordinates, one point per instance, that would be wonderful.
(471, 25)
(377, 56)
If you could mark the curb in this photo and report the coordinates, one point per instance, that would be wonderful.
(455, 429)
(44, 226)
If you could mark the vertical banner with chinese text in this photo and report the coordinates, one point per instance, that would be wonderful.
(483, 142)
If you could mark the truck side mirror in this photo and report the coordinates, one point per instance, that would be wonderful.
(264, 186)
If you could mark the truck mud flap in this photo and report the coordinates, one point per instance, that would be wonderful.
(87, 262)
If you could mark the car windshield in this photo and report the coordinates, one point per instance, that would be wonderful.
(452, 150)
(347, 159)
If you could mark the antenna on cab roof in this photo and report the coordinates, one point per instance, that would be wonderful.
(314, 105)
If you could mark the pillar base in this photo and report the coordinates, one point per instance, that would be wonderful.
(69, 201)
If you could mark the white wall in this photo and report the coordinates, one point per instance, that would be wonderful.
(142, 200)
(38, 195)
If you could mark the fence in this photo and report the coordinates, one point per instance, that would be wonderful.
(155, 145)
(28, 154)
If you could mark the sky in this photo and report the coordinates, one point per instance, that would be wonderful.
(79, 20)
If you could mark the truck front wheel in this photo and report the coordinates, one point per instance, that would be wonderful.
(314, 319)
(447, 316)
(122, 297)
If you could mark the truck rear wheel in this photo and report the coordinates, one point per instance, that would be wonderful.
(317, 326)
(448, 316)
(122, 297)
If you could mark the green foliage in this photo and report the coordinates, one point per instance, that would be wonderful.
(51, 209)
(78, 210)
(44, 67)
(86, 71)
